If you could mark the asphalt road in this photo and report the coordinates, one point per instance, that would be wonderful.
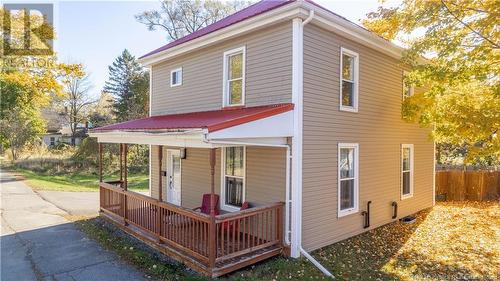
(37, 242)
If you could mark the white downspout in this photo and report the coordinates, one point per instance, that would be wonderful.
(300, 99)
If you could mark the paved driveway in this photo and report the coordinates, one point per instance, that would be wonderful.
(37, 242)
(74, 203)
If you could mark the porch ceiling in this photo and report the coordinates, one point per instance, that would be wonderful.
(263, 125)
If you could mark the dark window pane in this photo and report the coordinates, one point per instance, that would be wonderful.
(236, 66)
(174, 78)
(346, 194)
(347, 67)
(235, 91)
(234, 161)
(406, 159)
(346, 163)
(406, 182)
(234, 191)
(347, 93)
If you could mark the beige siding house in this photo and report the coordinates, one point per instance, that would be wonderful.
(288, 118)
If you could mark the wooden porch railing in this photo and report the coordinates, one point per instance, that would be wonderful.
(213, 243)
(249, 230)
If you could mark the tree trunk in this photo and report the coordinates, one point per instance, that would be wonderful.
(14, 154)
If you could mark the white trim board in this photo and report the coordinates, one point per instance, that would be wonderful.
(297, 99)
(276, 126)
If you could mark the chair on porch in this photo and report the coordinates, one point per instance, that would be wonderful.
(228, 226)
(205, 204)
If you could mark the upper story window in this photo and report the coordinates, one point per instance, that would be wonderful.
(406, 171)
(408, 89)
(348, 178)
(176, 77)
(233, 185)
(349, 81)
(234, 77)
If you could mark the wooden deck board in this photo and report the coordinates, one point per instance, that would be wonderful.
(238, 239)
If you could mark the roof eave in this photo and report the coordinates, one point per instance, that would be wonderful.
(178, 131)
(283, 13)
(323, 18)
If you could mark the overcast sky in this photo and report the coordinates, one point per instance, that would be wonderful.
(96, 32)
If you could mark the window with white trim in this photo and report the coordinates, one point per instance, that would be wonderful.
(52, 141)
(406, 171)
(176, 77)
(348, 178)
(233, 181)
(349, 80)
(408, 89)
(234, 77)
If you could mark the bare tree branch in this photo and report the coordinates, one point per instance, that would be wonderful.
(181, 17)
(495, 45)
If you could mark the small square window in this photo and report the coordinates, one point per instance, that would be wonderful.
(176, 77)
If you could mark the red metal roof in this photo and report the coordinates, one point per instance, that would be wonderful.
(250, 11)
(211, 120)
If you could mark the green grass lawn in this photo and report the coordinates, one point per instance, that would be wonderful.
(77, 181)
(451, 241)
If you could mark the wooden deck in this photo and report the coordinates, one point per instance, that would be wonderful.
(212, 246)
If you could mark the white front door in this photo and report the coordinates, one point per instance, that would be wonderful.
(173, 183)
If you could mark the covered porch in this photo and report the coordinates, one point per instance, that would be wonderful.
(185, 164)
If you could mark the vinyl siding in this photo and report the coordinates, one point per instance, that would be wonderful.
(265, 175)
(268, 73)
(377, 128)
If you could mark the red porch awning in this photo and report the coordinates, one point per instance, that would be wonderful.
(210, 120)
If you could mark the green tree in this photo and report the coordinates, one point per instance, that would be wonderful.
(25, 86)
(101, 113)
(20, 126)
(460, 73)
(181, 17)
(129, 84)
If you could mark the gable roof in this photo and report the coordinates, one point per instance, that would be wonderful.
(210, 120)
(246, 13)
(267, 12)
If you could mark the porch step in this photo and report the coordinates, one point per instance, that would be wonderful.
(233, 264)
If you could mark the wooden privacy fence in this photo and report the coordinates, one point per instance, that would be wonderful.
(467, 185)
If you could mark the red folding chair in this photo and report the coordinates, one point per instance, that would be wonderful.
(205, 204)
(228, 226)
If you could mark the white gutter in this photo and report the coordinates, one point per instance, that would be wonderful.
(300, 99)
(309, 18)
